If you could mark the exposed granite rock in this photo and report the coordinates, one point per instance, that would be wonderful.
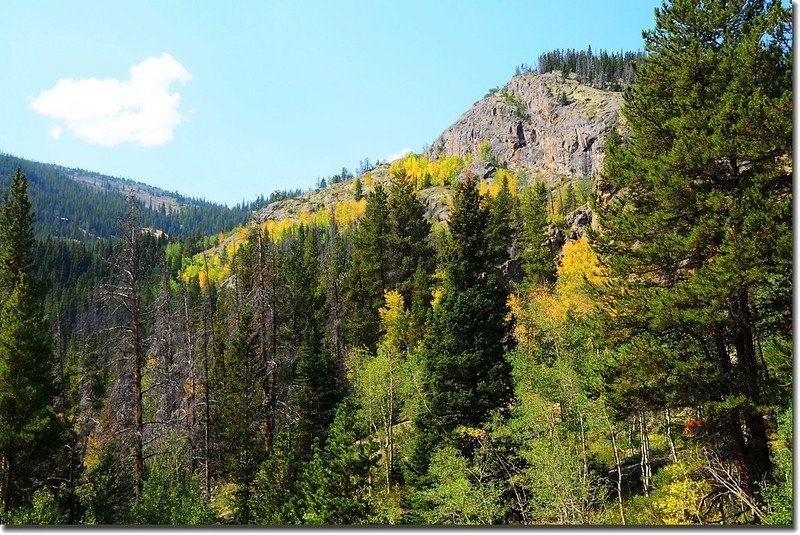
(526, 126)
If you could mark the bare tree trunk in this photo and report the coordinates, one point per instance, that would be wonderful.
(645, 459)
(585, 472)
(618, 463)
(208, 322)
(671, 442)
(190, 402)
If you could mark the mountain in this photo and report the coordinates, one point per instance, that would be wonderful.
(544, 123)
(545, 127)
(84, 205)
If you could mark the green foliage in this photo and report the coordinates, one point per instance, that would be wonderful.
(462, 492)
(28, 427)
(335, 485)
(277, 498)
(702, 232)
(778, 496)
(485, 152)
(44, 510)
(604, 70)
(367, 277)
(534, 251)
(237, 416)
(106, 498)
(171, 498)
(69, 208)
(467, 376)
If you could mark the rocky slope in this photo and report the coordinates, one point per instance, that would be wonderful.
(543, 123)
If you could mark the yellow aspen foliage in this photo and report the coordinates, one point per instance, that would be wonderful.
(394, 318)
(302, 216)
(577, 266)
(220, 237)
(681, 500)
(420, 170)
(367, 180)
(472, 432)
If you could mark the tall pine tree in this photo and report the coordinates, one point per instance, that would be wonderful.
(468, 376)
(28, 427)
(698, 239)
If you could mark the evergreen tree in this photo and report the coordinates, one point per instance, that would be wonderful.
(538, 257)
(408, 239)
(467, 374)
(503, 215)
(237, 415)
(335, 485)
(699, 239)
(368, 275)
(28, 428)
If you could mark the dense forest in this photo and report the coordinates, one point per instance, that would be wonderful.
(69, 208)
(366, 365)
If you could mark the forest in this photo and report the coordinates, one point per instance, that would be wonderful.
(362, 364)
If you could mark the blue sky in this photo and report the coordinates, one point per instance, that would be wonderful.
(227, 101)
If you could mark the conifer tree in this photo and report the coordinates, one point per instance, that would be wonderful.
(28, 428)
(368, 275)
(699, 237)
(408, 239)
(467, 374)
(503, 214)
(538, 257)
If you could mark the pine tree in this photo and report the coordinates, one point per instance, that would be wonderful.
(538, 257)
(16, 250)
(368, 275)
(467, 374)
(699, 238)
(335, 485)
(503, 215)
(28, 428)
(408, 240)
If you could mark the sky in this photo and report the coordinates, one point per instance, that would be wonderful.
(230, 100)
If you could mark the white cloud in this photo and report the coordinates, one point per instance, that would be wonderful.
(109, 112)
(396, 155)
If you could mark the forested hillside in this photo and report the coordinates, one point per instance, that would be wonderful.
(595, 330)
(78, 204)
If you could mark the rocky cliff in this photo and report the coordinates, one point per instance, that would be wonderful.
(543, 123)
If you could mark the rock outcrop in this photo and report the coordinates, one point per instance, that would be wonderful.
(539, 122)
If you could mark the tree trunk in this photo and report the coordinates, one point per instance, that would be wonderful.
(647, 473)
(671, 442)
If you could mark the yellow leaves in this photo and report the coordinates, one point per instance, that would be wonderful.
(437, 295)
(347, 212)
(191, 390)
(578, 265)
(92, 456)
(394, 318)
(368, 180)
(390, 312)
(680, 501)
(492, 186)
(473, 432)
(207, 267)
(420, 170)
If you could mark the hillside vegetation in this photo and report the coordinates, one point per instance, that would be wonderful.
(574, 308)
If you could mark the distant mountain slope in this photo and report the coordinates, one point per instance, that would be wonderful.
(83, 205)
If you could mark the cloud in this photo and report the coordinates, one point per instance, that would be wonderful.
(108, 112)
(55, 131)
(396, 155)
